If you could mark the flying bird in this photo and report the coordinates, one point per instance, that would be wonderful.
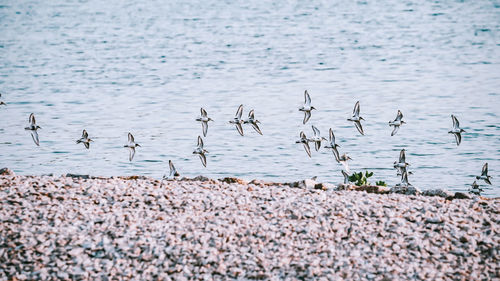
(305, 141)
(484, 174)
(237, 121)
(316, 138)
(251, 120)
(333, 145)
(356, 118)
(85, 139)
(401, 164)
(201, 151)
(397, 122)
(173, 172)
(456, 131)
(33, 127)
(204, 121)
(475, 189)
(131, 145)
(306, 108)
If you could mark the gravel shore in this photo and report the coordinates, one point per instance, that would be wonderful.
(137, 228)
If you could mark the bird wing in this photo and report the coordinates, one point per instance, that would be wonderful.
(332, 137)
(395, 130)
(131, 153)
(307, 115)
(203, 159)
(336, 154)
(85, 135)
(307, 148)
(399, 116)
(456, 124)
(317, 145)
(307, 98)
(359, 127)
(130, 138)
(87, 144)
(204, 125)
(458, 138)
(239, 112)
(402, 156)
(484, 172)
(251, 114)
(316, 131)
(355, 111)
(172, 169)
(200, 142)
(239, 128)
(34, 136)
(303, 135)
(203, 112)
(256, 128)
(32, 119)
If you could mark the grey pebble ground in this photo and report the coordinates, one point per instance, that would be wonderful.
(134, 228)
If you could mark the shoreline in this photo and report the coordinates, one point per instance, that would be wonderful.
(64, 227)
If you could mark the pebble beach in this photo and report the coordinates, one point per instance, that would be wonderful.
(121, 228)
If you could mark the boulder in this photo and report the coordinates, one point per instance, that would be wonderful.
(438, 192)
(6, 172)
(405, 189)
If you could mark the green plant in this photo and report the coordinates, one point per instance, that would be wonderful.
(381, 183)
(360, 179)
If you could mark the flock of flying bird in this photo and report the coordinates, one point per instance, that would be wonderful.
(401, 165)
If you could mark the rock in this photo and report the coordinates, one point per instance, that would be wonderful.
(373, 189)
(461, 195)
(438, 192)
(6, 172)
(407, 190)
(233, 180)
(77, 176)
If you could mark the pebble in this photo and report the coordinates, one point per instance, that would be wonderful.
(82, 227)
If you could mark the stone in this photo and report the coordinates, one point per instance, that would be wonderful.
(407, 190)
(6, 172)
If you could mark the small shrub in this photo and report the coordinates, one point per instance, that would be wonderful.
(381, 183)
(360, 179)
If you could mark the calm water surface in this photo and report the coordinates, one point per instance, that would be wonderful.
(147, 67)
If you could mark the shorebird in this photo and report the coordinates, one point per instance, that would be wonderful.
(316, 138)
(333, 145)
(401, 164)
(306, 107)
(343, 160)
(33, 127)
(305, 141)
(475, 189)
(456, 131)
(484, 174)
(85, 139)
(173, 172)
(201, 152)
(1, 102)
(397, 122)
(346, 177)
(131, 145)
(237, 121)
(204, 121)
(356, 118)
(251, 120)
